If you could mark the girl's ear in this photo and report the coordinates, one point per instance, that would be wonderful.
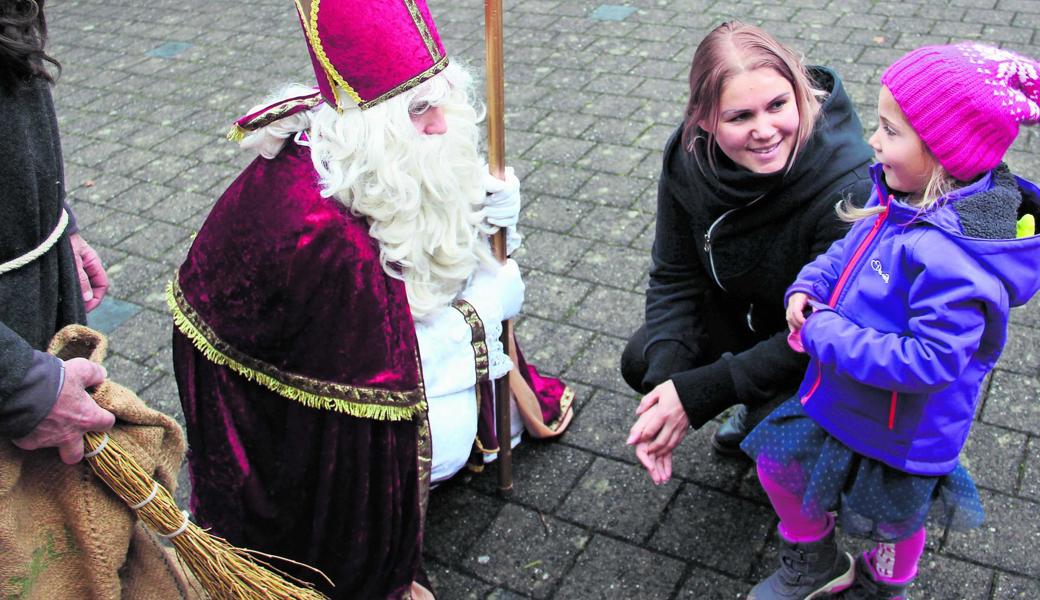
(705, 125)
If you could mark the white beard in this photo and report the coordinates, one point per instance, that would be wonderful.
(420, 193)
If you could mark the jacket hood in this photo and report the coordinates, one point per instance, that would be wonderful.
(981, 218)
(835, 148)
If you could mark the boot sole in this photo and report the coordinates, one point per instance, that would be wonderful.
(839, 583)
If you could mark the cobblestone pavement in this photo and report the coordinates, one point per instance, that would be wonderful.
(593, 91)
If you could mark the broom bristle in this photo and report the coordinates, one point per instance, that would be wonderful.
(224, 571)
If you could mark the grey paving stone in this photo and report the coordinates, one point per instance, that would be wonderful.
(551, 346)
(703, 584)
(1030, 486)
(614, 190)
(598, 364)
(448, 583)
(602, 425)
(553, 252)
(565, 151)
(566, 124)
(134, 275)
(108, 227)
(1012, 402)
(543, 473)
(552, 213)
(141, 336)
(940, 578)
(618, 499)
(455, 519)
(162, 396)
(611, 158)
(1029, 314)
(556, 180)
(1022, 352)
(1010, 587)
(552, 296)
(527, 551)
(714, 529)
(154, 241)
(994, 457)
(129, 374)
(615, 131)
(612, 569)
(612, 265)
(612, 225)
(694, 460)
(615, 312)
(1008, 537)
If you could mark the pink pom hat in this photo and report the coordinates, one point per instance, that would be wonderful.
(370, 50)
(966, 101)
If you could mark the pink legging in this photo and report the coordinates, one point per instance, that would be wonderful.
(893, 563)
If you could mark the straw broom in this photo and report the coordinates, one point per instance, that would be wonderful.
(224, 571)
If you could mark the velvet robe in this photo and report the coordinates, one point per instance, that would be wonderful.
(299, 375)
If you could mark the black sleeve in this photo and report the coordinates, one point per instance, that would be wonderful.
(770, 367)
(678, 284)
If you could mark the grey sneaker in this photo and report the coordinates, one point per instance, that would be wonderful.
(865, 587)
(809, 570)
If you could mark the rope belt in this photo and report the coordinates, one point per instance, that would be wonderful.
(40, 250)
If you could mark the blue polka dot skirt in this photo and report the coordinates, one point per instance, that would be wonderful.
(873, 500)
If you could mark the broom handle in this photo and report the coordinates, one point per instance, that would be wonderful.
(496, 165)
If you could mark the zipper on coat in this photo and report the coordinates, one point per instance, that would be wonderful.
(840, 285)
(707, 239)
(892, 412)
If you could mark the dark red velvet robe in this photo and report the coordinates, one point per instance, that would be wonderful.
(299, 374)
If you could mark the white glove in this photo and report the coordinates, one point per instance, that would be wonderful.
(497, 293)
(268, 141)
(502, 203)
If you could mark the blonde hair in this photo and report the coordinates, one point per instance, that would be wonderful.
(420, 194)
(733, 48)
(939, 184)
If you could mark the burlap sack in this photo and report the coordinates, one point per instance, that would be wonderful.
(63, 533)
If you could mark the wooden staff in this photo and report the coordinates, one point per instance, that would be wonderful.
(497, 167)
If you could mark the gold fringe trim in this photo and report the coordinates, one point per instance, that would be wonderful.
(236, 133)
(208, 346)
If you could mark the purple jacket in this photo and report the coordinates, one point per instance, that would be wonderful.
(910, 314)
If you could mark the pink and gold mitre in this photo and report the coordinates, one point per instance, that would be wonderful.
(370, 50)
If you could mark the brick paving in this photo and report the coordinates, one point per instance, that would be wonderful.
(592, 92)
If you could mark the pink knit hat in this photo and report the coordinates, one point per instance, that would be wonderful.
(966, 102)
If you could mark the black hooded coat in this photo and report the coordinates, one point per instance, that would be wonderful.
(728, 243)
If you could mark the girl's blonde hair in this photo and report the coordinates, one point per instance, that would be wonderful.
(733, 48)
(939, 184)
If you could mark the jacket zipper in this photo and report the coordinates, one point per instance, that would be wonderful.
(707, 239)
(833, 302)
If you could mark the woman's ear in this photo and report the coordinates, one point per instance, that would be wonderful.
(705, 125)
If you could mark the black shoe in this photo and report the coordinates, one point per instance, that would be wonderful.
(732, 431)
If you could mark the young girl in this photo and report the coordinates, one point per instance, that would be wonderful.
(907, 315)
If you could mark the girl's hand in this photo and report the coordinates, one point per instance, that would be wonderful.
(661, 426)
(796, 307)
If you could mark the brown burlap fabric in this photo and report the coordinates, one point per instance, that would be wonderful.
(63, 533)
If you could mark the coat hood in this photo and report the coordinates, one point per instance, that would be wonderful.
(981, 218)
